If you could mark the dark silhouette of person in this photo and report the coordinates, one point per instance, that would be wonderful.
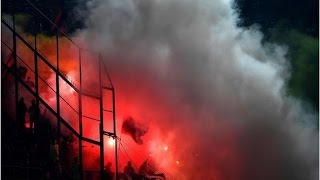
(128, 170)
(76, 169)
(21, 114)
(34, 111)
(43, 133)
(147, 170)
(108, 174)
(29, 82)
(22, 72)
(143, 170)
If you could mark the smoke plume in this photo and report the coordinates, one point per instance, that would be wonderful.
(215, 93)
(212, 93)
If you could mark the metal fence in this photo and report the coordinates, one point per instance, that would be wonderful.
(20, 42)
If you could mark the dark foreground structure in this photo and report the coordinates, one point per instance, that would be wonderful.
(40, 139)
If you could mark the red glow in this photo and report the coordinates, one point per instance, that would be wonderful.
(156, 142)
(27, 125)
(111, 142)
(166, 146)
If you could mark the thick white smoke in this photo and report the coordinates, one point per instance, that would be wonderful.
(189, 68)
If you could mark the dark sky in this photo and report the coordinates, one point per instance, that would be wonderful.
(298, 14)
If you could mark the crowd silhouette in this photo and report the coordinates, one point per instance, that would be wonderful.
(39, 145)
(32, 142)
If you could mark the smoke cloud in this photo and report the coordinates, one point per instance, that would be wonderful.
(214, 92)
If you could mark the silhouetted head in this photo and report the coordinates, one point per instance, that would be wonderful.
(129, 163)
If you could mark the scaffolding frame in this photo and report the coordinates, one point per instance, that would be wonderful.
(38, 56)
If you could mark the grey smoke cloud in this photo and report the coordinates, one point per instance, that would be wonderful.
(215, 84)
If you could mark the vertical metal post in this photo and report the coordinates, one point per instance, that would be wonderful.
(36, 65)
(57, 95)
(115, 129)
(14, 38)
(101, 123)
(80, 116)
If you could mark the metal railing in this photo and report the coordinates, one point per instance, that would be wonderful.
(105, 82)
